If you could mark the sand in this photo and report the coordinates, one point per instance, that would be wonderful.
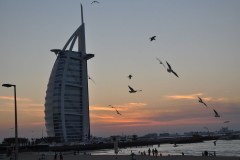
(37, 156)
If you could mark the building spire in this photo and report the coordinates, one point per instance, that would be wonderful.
(82, 13)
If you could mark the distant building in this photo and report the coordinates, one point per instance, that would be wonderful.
(164, 135)
(67, 102)
(151, 136)
(225, 130)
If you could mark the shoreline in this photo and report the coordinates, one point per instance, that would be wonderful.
(36, 156)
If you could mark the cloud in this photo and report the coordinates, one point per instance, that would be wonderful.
(100, 108)
(120, 107)
(195, 96)
(11, 98)
(189, 96)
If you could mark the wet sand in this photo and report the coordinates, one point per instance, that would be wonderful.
(37, 156)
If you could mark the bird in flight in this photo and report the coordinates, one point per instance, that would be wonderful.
(132, 90)
(118, 112)
(129, 76)
(216, 113)
(170, 70)
(152, 38)
(91, 79)
(201, 101)
(160, 62)
(95, 2)
(115, 110)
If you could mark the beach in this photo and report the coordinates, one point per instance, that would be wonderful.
(37, 156)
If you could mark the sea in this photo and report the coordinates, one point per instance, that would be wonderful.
(222, 148)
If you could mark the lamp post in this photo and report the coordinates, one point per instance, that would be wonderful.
(16, 126)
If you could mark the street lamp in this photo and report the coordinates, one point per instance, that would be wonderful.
(16, 126)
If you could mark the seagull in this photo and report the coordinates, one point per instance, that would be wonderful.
(115, 110)
(152, 38)
(91, 79)
(216, 113)
(226, 122)
(118, 112)
(129, 76)
(110, 105)
(201, 101)
(132, 90)
(160, 62)
(170, 69)
(95, 2)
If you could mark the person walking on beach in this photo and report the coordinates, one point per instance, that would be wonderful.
(61, 156)
(156, 152)
(149, 151)
(55, 156)
(153, 152)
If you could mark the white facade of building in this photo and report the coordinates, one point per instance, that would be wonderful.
(67, 102)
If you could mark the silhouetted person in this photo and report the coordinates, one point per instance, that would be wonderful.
(153, 151)
(61, 156)
(215, 143)
(156, 152)
(149, 151)
(55, 156)
(206, 153)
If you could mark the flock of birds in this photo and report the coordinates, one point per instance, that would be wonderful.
(169, 70)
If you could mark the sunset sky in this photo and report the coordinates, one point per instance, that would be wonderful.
(199, 38)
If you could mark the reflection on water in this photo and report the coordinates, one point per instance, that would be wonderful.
(222, 148)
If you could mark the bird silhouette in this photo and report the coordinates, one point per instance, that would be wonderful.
(201, 101)
(226, 121)
(216, 113)
(170, 70)
(129, 76)
(118, 112)
(152, 38)
(161, 62)
(91, 79)
(115, 110)
(95, 2)
(132, 90)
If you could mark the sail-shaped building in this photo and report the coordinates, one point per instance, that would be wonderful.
(67, 101)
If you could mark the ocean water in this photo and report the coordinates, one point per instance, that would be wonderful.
(222, 148)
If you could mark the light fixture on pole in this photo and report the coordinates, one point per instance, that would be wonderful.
(16, 125)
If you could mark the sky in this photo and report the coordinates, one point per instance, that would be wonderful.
(199, 39)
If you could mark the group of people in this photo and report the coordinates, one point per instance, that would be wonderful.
(154, 152)
(60, 156)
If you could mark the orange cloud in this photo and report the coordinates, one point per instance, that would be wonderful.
(194, 96)
(12, 98)
(99, 108)
(190, 96)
